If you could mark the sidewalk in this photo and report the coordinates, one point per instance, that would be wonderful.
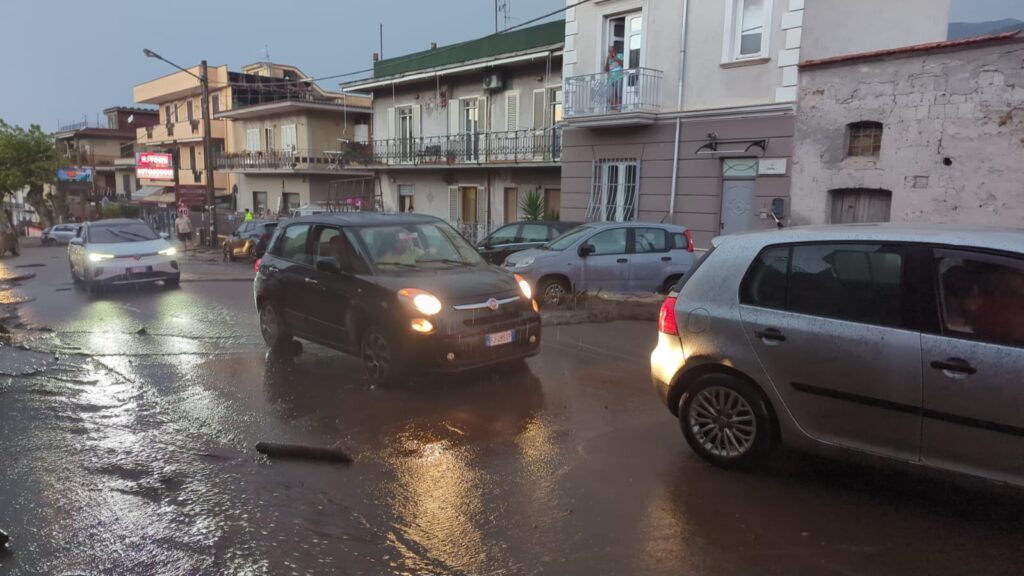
(206, 265)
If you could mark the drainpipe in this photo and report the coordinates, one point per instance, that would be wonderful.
(679, 120)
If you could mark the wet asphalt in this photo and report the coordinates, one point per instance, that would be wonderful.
(128, 422)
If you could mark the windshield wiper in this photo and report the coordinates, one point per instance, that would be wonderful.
(137, 235)
(449, 261)
(401, 264)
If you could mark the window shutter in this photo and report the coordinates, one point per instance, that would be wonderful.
(511, 111)
(453, 116)
(538, 110)
(483, 197)
(485, 114)
(454, 204)
(392, 123)
(416, 113)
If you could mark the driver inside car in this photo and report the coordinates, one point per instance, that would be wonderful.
(402, 250)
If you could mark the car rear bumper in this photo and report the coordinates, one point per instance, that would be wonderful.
(667, 361)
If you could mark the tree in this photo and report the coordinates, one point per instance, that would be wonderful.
(28, 159)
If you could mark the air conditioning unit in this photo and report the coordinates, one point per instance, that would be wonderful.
(494, 81)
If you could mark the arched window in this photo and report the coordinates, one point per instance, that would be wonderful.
(864, 138)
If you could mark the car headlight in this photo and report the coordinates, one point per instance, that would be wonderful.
(525, 262)
(421, 300)
(171, 251)
(97, 257)
(524, 287)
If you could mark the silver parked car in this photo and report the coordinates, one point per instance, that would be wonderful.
(899, 341)
(59, 234)
(613, 256)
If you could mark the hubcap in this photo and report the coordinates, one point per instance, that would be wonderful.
(553, 293)
(376, 356)
(722, 422)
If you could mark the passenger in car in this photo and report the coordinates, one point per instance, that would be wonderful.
(401, 250)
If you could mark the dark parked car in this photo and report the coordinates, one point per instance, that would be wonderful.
(401, 291)
(249, 240)
(519, 236)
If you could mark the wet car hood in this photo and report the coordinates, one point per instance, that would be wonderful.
(455, 284)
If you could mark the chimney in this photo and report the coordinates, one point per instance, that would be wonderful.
(376, 57)
(433, 45)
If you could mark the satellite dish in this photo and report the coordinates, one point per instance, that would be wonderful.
(131, 118)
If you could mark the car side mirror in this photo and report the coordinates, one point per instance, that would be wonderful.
(165, 235)
(586, 250)
(76, 241)
(327, 266)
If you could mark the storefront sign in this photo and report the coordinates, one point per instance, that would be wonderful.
(74, 174)
(771, 167)
(193, 196)
(154, 166)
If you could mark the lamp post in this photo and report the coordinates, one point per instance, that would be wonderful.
(204, 84)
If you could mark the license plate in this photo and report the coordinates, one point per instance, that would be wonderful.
(137, 270)
(506, 337)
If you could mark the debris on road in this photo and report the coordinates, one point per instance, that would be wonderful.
(18, 277)
(274, 449)
(142, 331)
(4, 539)
(35, 265)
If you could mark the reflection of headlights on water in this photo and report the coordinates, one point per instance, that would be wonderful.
(421, 300)
(168, 251)
(97, 257)
(525, 262)
(524, 287)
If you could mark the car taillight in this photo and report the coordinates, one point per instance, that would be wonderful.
(667, 317)
(689, 241)
(256, 266)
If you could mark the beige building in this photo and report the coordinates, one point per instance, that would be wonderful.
(683, 111)
(292, 144)
(928, 133)
(180, 132)
(465, 132)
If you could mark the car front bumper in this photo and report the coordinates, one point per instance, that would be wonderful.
(667, 361)
(131, 271)
(459, 342)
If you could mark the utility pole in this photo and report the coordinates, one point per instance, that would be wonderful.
(211, 200)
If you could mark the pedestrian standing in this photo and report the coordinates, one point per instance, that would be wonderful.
(248, 215)
(183, 226)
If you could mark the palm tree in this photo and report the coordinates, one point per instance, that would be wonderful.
(533, 206)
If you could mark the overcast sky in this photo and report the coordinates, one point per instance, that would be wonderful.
(61, 62)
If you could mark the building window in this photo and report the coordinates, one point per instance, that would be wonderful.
(112, 120)
(259, 202)
(215, 103)
(613, 198)
(167, 114)
(192, 158)
(268, 139)
(291, 202)
(252, 139)
(859, 205)
(864, 138)
(406, 192)
(747, 24)
(189, 113)
(288, 139)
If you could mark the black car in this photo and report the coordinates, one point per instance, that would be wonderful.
(249, 240)
(519, 236)
(404, 292)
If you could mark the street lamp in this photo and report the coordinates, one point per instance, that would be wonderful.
(204, 83)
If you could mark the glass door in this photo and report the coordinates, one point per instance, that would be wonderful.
(471, 128)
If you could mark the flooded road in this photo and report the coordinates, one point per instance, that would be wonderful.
(128, 422)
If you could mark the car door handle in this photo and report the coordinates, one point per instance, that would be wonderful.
(957, 365)
(622, 260)
(666, 258)
(770, 335)
(309, 280)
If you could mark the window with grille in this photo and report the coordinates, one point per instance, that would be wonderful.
(615, 191)
(865, 139)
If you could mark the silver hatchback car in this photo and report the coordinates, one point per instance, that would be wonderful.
(899, 341)
(612, 256)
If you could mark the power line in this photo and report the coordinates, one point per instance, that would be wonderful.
(429, 53)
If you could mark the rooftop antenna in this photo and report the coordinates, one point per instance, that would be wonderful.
(382, 41)
(266, 52)
(505, 7)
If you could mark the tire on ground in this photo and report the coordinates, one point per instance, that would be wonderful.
(764, 424)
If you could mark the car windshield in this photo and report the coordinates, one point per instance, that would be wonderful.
(115, 233)
(568, 239)
(426, 246)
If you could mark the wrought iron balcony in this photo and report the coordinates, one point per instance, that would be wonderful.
(353, 154)
(635, 90)
(512, 147)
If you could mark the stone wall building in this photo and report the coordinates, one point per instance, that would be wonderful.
(927, 133)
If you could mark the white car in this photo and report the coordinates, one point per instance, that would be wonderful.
(121, 251)
(59, 234)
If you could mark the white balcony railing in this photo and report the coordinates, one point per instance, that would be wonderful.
(632, 90)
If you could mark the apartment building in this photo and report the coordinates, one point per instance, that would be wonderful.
(464, 132)
(180, 133)
(291, 143)
(683, 112)
(92, 150)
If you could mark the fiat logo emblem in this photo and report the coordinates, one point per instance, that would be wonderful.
(492, 304)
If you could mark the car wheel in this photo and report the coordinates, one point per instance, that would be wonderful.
(272, 327)
(74, 277)
(553, 291)
(173, 281)
(228, 256)
(669, 283)
(381, 358)
(252, 253)
(726, 421)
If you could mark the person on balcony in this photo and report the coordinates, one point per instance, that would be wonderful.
(613, 67)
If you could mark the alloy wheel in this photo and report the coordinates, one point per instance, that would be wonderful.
(269, 324)
(377, 356)
(722, 422)
(554, 293)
